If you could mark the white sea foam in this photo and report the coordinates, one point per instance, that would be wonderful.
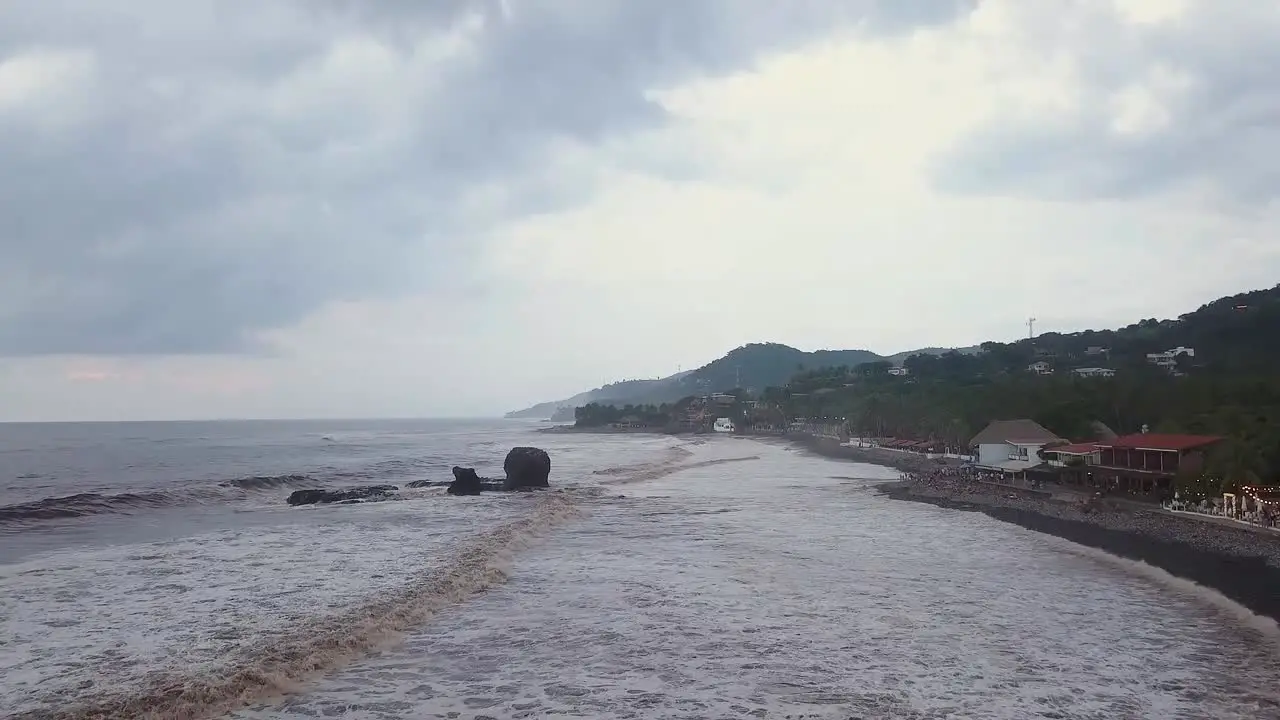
(770, 588)
(233, 613)
(727, 579)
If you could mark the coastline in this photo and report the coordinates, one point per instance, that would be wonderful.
(1241, 563)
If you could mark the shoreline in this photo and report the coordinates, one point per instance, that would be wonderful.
(1241, 563)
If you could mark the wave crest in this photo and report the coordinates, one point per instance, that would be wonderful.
(278, 665)
(82, 504)
(87, 504)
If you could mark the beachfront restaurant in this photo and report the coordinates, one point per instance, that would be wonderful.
(1143, 465)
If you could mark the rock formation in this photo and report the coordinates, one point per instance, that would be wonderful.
(526, 467)
(368, 492)
(465, 482)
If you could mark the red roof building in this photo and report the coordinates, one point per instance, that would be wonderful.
(1143, 464)
(1160, 442)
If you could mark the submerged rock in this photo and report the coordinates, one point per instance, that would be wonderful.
(526, 467)
(368, 492)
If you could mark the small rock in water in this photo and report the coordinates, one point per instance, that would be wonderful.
(313, 497)
(465, 482)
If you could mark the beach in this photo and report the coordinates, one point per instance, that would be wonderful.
(1241, 562)
(662, 576)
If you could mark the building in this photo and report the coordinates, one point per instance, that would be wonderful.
(1143, 464)
(1090, 372)
(1011, 447)
(1075, 455)
(1169, 358)
(1093, 350)
(899, 371)
(1040, 368)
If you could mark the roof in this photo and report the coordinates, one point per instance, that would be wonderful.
(1159, 441)
(1003, 431)
(1012, 465)
(1076, 449)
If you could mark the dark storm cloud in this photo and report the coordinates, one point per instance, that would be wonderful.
(195, 190)
(1223, 128)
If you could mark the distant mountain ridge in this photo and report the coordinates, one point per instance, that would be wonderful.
(754, 366)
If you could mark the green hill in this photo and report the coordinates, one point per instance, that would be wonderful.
(1230, 387)
(753, 367)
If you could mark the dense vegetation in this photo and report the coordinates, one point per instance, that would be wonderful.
(597, 415)
(755, 366)
(1231, 387)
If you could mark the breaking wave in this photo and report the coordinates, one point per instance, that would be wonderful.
(279, 664)
(270, 482)
(656, 471)
(87, 504)
(82, 504)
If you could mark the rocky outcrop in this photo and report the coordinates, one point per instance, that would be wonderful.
(526, 468)
(465, 482)
(355, 494)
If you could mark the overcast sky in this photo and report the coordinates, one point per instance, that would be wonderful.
(316, 208)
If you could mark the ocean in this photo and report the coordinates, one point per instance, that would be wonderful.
(155, 570)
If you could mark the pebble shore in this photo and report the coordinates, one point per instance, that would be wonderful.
(1240, 562)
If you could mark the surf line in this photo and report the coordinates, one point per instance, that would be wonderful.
(280, 665)
(661, 471)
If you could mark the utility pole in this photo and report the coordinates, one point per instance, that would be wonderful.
(737, 376)
(1031, 328)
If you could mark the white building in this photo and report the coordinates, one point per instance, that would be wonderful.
(1011, 446)
(1090, 372)
(1040, 368)
(1169, 358)
(899, 371)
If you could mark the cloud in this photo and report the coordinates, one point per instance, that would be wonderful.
(1165, 95)
(335, 208)
(222, 169)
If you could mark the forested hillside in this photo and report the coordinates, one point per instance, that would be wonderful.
(754, 366)
(1231, 386)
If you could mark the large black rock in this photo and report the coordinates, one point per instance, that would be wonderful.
(526, 467)
(368, 492)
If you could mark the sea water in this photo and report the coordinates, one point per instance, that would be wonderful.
(666, 577)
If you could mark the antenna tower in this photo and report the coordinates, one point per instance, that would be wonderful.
(1031, 328)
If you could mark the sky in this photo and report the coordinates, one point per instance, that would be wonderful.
(339, 208)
